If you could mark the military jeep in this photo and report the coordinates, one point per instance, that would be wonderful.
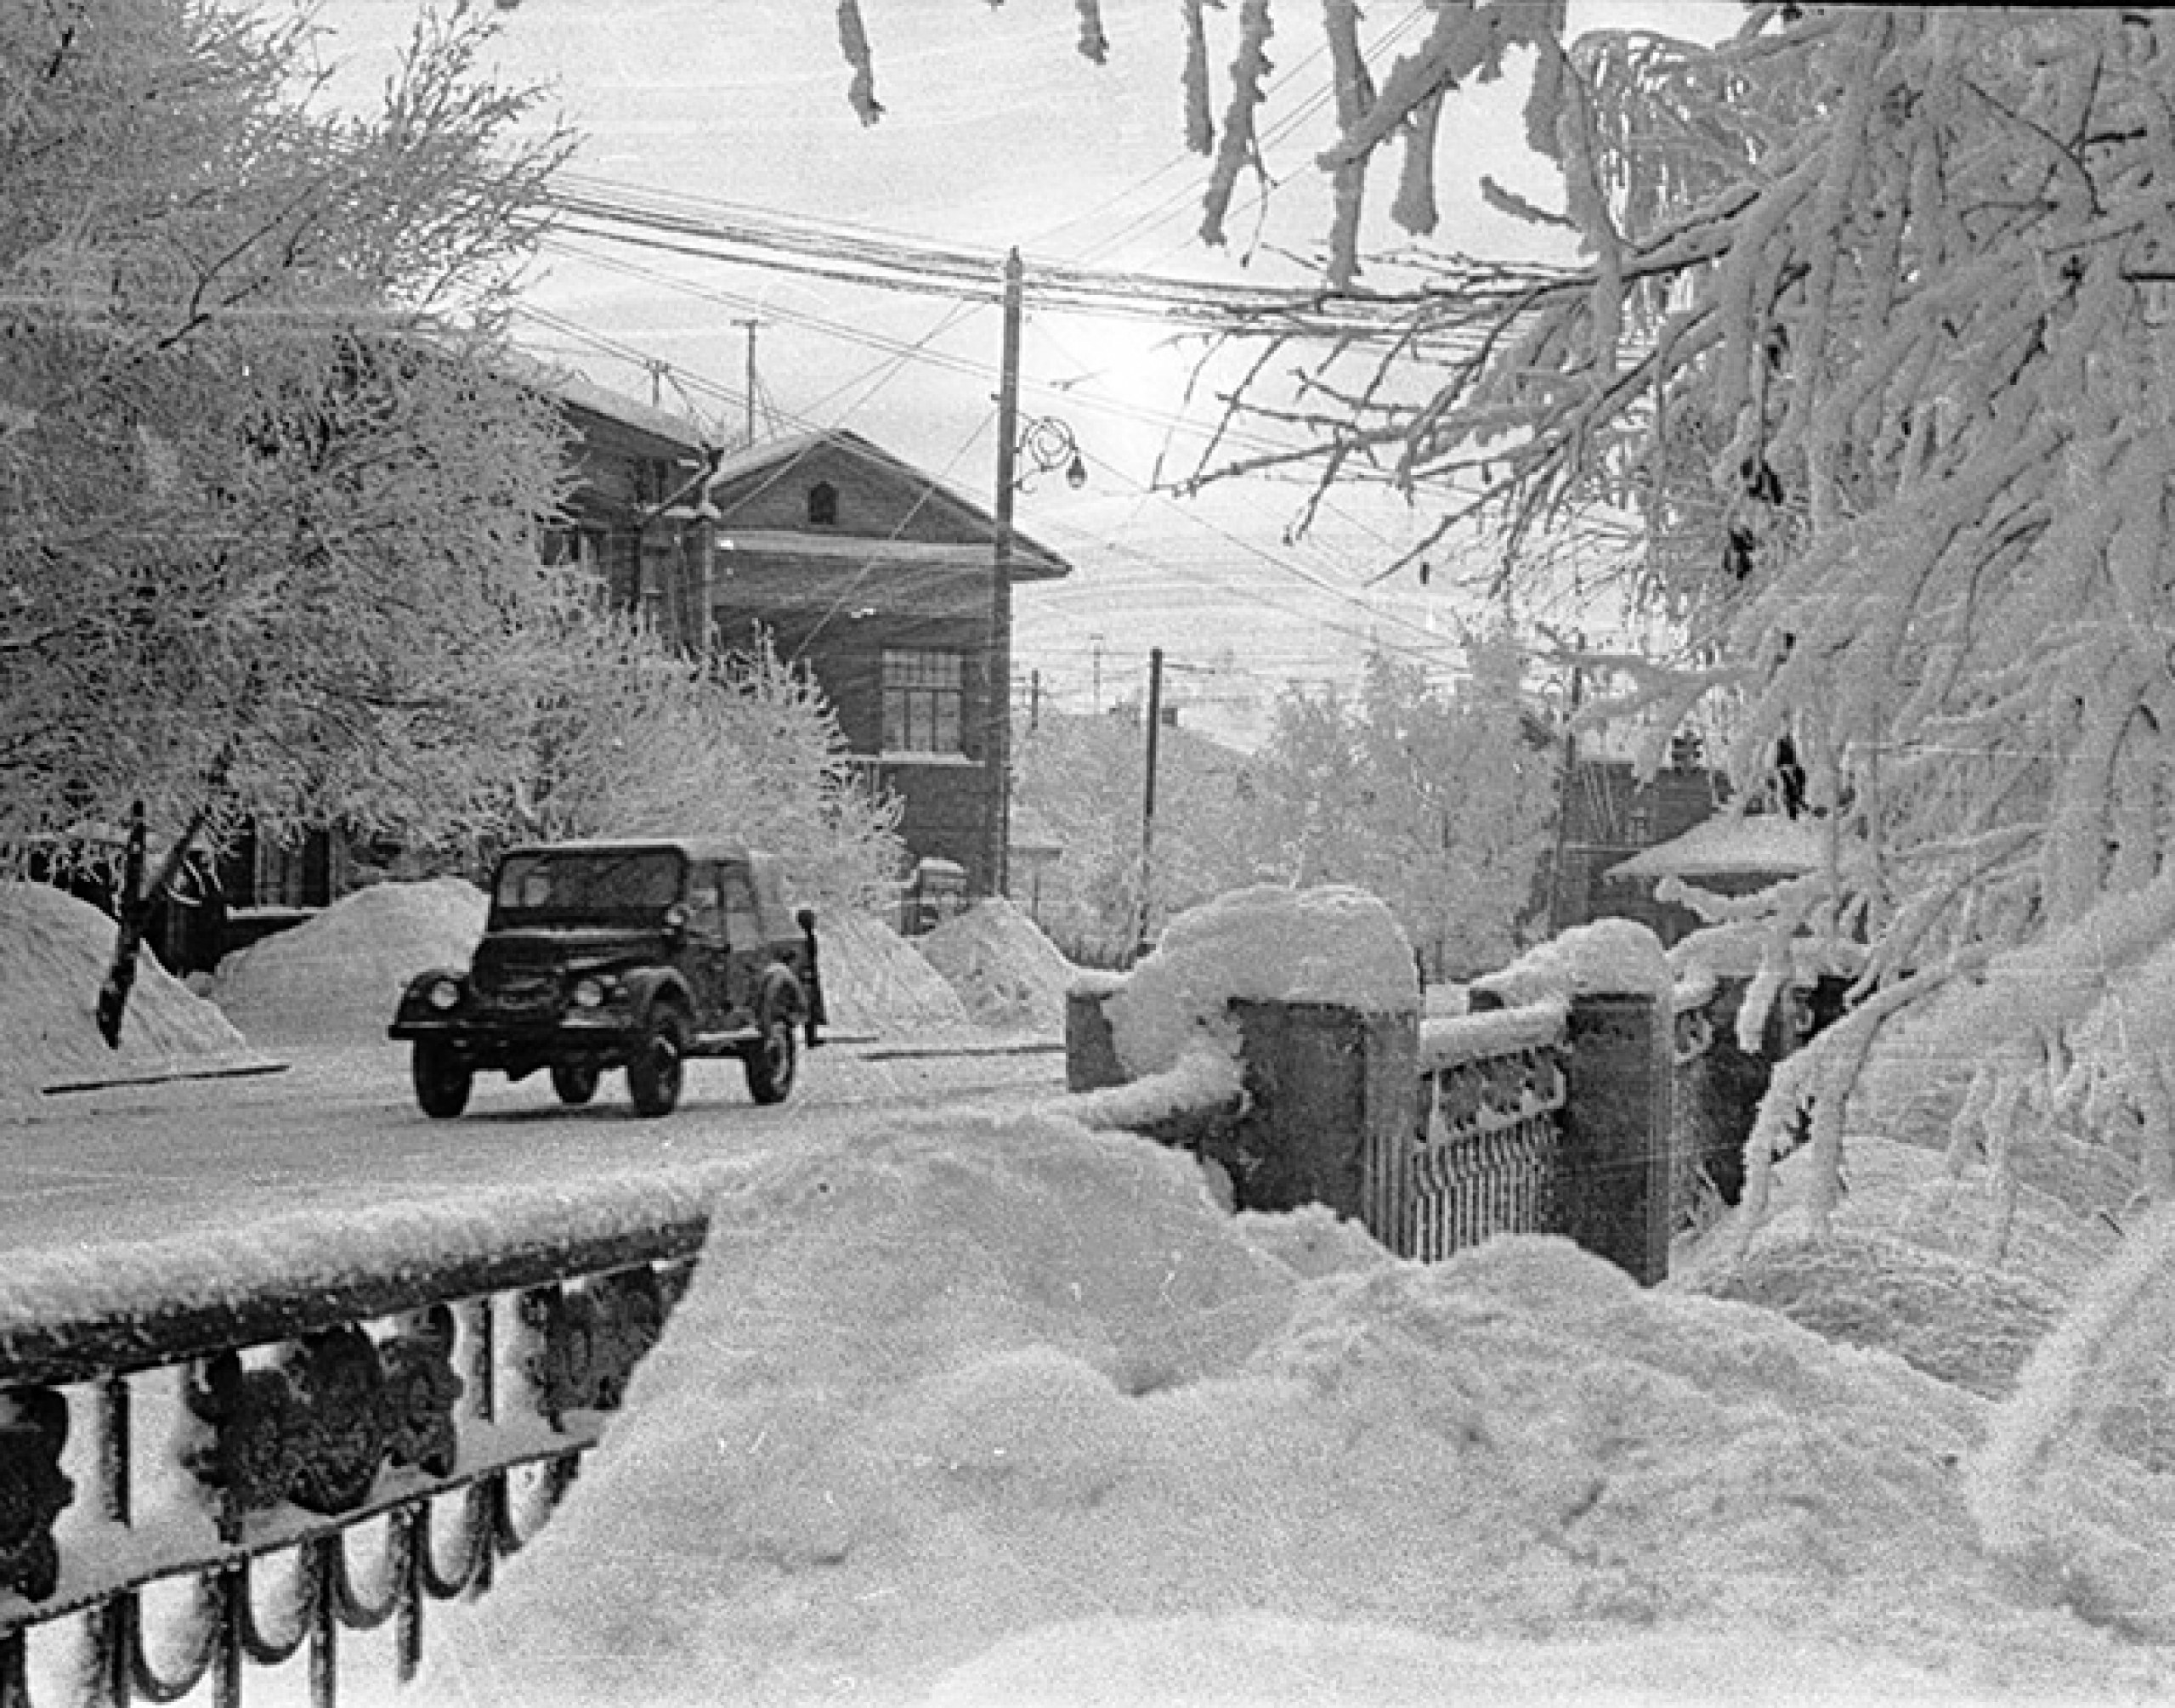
(632, 955)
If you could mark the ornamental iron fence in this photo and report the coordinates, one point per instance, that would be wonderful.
(188, 1495)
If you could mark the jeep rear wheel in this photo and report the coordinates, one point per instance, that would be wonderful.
(657, 1066)
(772, 1060)
(575, 1081)
(442, 1078)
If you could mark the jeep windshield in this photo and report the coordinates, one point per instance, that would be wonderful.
(566, 886)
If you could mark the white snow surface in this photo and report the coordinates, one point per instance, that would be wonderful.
(1747, 843)
(1331, 944)
(1608, 957)
(1008, 976)
(875, 982)
(337, 977)
(54, 950)
(993, 1409)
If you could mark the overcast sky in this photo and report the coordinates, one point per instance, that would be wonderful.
(997, 132)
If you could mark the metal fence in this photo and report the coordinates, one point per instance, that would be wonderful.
(186, 1497)
(1484, 1156)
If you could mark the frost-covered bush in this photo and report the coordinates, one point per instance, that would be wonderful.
(639, 740)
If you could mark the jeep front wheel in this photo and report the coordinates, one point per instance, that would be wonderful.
(575, 1081)
(442, 1078)
(657, 1066)
(771, 1060)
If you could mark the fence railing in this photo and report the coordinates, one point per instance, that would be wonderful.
(191, 1490)
(1485, 1156)
(1617, 1120)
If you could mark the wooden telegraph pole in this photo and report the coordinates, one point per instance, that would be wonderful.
(997, 741)
(1148, 795)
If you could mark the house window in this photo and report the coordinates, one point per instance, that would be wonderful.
(823, 505)
(922, 701)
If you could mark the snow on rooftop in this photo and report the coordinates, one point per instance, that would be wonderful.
(1753, 842)
(1332, 944)
(54, 950)
(1008, 976)
(992, 1409)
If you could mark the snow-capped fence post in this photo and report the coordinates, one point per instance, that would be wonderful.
(1617, 1129)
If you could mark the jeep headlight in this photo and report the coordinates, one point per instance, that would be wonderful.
(589, 993)
(444, 995)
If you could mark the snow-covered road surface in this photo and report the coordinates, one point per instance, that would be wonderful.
(339, 1128)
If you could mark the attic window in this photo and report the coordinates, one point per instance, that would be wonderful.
(823, 505)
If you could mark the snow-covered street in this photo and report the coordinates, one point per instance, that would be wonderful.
(339, 1129)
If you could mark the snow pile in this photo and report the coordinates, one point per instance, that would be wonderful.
(1610, 957)
(875, 981)
(997, 1411)
(1749, 843)
(337, 977)
(56, 950)
(1007, 974)
(1269, 943)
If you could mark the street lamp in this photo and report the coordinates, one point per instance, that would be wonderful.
(1047, 444)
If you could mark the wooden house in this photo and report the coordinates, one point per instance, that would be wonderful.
(867, 570)
(877, 577)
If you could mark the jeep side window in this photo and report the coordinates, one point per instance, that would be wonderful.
(741, 927)
(706, 917)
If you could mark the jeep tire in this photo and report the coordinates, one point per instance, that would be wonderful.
(773, 1058)
(657, 1066)
(442, 1080)
(575, 1081)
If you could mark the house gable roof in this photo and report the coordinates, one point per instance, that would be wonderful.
(760, 495)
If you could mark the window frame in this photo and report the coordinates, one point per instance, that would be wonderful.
(923, 691)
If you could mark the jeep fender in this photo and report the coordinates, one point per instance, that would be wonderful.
(781, 996)
(414, 1003)
(652, 989)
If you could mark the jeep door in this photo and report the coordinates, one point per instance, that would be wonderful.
(743, 933)
(707, 955)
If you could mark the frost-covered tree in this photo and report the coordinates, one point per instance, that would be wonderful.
(634, 739)
(1866, 354)
(1437, 800)
(269, 501)
(1082, 780)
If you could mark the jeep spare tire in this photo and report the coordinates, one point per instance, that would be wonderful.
(657, 1066)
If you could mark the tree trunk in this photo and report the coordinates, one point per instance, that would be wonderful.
(128, 943)
(136, 901)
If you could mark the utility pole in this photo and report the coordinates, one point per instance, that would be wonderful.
(997, 742)
(1147, 793)
(750, 327)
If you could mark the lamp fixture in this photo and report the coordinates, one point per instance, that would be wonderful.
(1046, 445)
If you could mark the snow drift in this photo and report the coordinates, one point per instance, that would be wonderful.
(336, 978)
(874, 982)
(999, 1411)
(56, 950)
(1008, 976)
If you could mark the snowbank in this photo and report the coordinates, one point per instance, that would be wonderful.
(997, 1411)
(874, 982)
(56, 950)
(1007, 974)
(1268, 943)
(1609, 957)
(336, 978)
